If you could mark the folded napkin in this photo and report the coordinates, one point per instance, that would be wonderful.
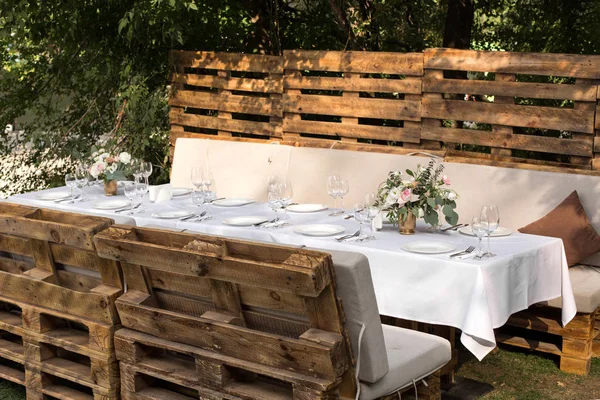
(160, 193)
(377, 222)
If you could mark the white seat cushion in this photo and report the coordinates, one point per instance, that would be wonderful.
(411, 355)
(585, 281)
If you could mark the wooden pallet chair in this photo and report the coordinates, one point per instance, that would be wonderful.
(57, 305)
(215, 318)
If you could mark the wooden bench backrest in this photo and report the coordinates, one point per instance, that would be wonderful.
(223, 93)
(398, 103)
(272, 307)
(515, 124)
(48, 259)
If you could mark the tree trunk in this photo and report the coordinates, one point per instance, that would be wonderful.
(459, 21)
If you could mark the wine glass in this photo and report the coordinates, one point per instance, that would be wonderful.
(333, 189)
(198, 199)
(146, 169)
(272, 183)
(490, 219)
(343, 189)
(82, 179)
(196, 177)
(285, 197)
(360, 215)
(71, 182)
(130, 190)
(136, 168)
(207, 180)
(141, 186)
(478, 229)
(274, 203)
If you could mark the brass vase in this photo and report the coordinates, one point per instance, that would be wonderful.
(110, 188)
(408, 226)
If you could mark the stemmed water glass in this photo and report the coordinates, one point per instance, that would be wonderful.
(273, 202)
(333, 189)
(479, 231)
(146, 170)
(82, 179)
(343, 189)
(141, 186)
(209, 190)
(285, 197)
(71, 182)
(196, 177)
(130, 189)
(361, 215)
(490, 220)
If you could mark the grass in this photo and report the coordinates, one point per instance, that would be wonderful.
(515, 375)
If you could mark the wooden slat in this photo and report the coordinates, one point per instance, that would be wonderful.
(510, 141)
(225, 102)
(568, 65)
(243, 343)
(353, 61)
(510, 115)
(176, 135)
(231, 125)
(14, 266)
(226, 61)
(537, 345)
(370, 85)
(15, 245)
(352, 107)
(266, 85)
(376, 148)
(512, 89)
(410, 135)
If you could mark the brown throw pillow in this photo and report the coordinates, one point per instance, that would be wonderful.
(569, 222)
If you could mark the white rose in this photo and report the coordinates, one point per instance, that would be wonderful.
(392, 196)
(111, 168)
(451, 196)
(125, 157)
(421, 213)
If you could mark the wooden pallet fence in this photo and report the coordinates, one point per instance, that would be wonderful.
(363, 100)
(237, 317)
(518, 130)
(398, 103)
(57, 305)
(225, 95)
(596, 160)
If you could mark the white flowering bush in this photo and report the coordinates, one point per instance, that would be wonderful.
(25, 170)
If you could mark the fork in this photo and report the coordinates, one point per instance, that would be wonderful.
(259, 225)
(346, 237)
(468, 250)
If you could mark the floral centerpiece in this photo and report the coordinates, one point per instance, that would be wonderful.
(110, 168)
(423, 193)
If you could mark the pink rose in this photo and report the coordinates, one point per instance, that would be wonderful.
(117, 159)
(446, 180)
(100, 167)
(110, 160)
(405, 195)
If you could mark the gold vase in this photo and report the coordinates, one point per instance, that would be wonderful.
(110, 188)
(408, 226)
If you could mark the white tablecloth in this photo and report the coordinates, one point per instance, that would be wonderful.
(474, 296)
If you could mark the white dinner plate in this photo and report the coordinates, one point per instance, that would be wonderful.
(180, 191)
(428, 247)
(306, 208)
(52, 196)
(244, 221)
(232, 202)
(319, 230)
(110, 204)
(173, 214)
(500, 231)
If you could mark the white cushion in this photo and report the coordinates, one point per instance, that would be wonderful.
(585, 281)
(411, 355)
(355, 288)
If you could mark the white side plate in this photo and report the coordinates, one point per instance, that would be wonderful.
(110, 204)
(428, 247)
(52, 196)
(319, 230)
(500, 231)
(244, 221)
(180, 191)
(172, 214)
(307, 208)
(232, 202)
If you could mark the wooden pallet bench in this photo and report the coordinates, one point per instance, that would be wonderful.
(539, 328)
(57, 305)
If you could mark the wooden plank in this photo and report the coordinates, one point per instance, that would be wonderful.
(176, 135)
(530, 344)
(230, 340)
(330, 144)
(232, 125)
(15, 245)
(510, 141)
(291, 278)
(354, 61)
(227, 103)
(42, 256)
(12, 375)
(352, 107)
(512, 89)
(371, 85)
(14, 266)
(568, 65)
(227, 61)
(390, 133)
(78, 282)
(266, 85)
(85, 305)
(510, 115)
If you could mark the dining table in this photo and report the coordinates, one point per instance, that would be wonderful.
(473, 295)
